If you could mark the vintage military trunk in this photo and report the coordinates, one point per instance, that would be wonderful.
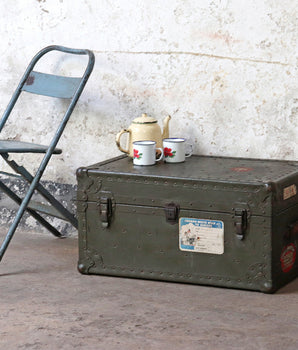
(211, 220)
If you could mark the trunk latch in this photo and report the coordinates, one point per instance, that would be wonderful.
(105, 211)
(292, 232)
(172, 212)
(240, 222)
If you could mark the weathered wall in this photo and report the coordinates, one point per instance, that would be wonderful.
(225, 70)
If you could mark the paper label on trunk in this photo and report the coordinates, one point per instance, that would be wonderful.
(201, 236)
(289, 192)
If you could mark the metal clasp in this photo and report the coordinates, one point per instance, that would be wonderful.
(241, 218)
(172, 212)
(292, 232)
(105, 210)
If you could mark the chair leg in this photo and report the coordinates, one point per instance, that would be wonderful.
(14, 225)
(10, 233)
(32, 212)
(23, 206)
(46, 194)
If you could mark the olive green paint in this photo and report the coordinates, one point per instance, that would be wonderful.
(123, 229)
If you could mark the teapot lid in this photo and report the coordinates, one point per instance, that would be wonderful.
(144, 119)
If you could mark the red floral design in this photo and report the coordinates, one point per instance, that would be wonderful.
(136, 154)
(168, 152)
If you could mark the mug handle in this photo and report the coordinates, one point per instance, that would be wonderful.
(161, 155)
(191, 150)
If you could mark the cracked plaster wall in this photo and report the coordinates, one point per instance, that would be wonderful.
(225, 70)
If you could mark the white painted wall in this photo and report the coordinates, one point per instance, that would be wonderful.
(225, 70)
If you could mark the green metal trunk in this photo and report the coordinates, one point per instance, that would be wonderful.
(218, 221)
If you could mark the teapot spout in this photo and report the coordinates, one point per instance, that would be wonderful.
(165, 132)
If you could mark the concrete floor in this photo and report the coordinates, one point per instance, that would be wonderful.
(47, 304)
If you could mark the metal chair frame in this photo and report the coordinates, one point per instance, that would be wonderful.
(54, 86)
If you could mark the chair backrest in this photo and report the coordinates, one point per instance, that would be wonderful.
(52, 85)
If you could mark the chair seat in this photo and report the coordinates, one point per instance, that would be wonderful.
(11, 146)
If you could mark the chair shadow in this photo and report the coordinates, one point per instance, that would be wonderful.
(20, 272)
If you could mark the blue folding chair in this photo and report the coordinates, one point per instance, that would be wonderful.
(53, 86)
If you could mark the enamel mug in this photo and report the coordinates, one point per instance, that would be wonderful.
(174, 150)
(144, 153)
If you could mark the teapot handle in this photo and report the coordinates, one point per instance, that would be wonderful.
(118, 136)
